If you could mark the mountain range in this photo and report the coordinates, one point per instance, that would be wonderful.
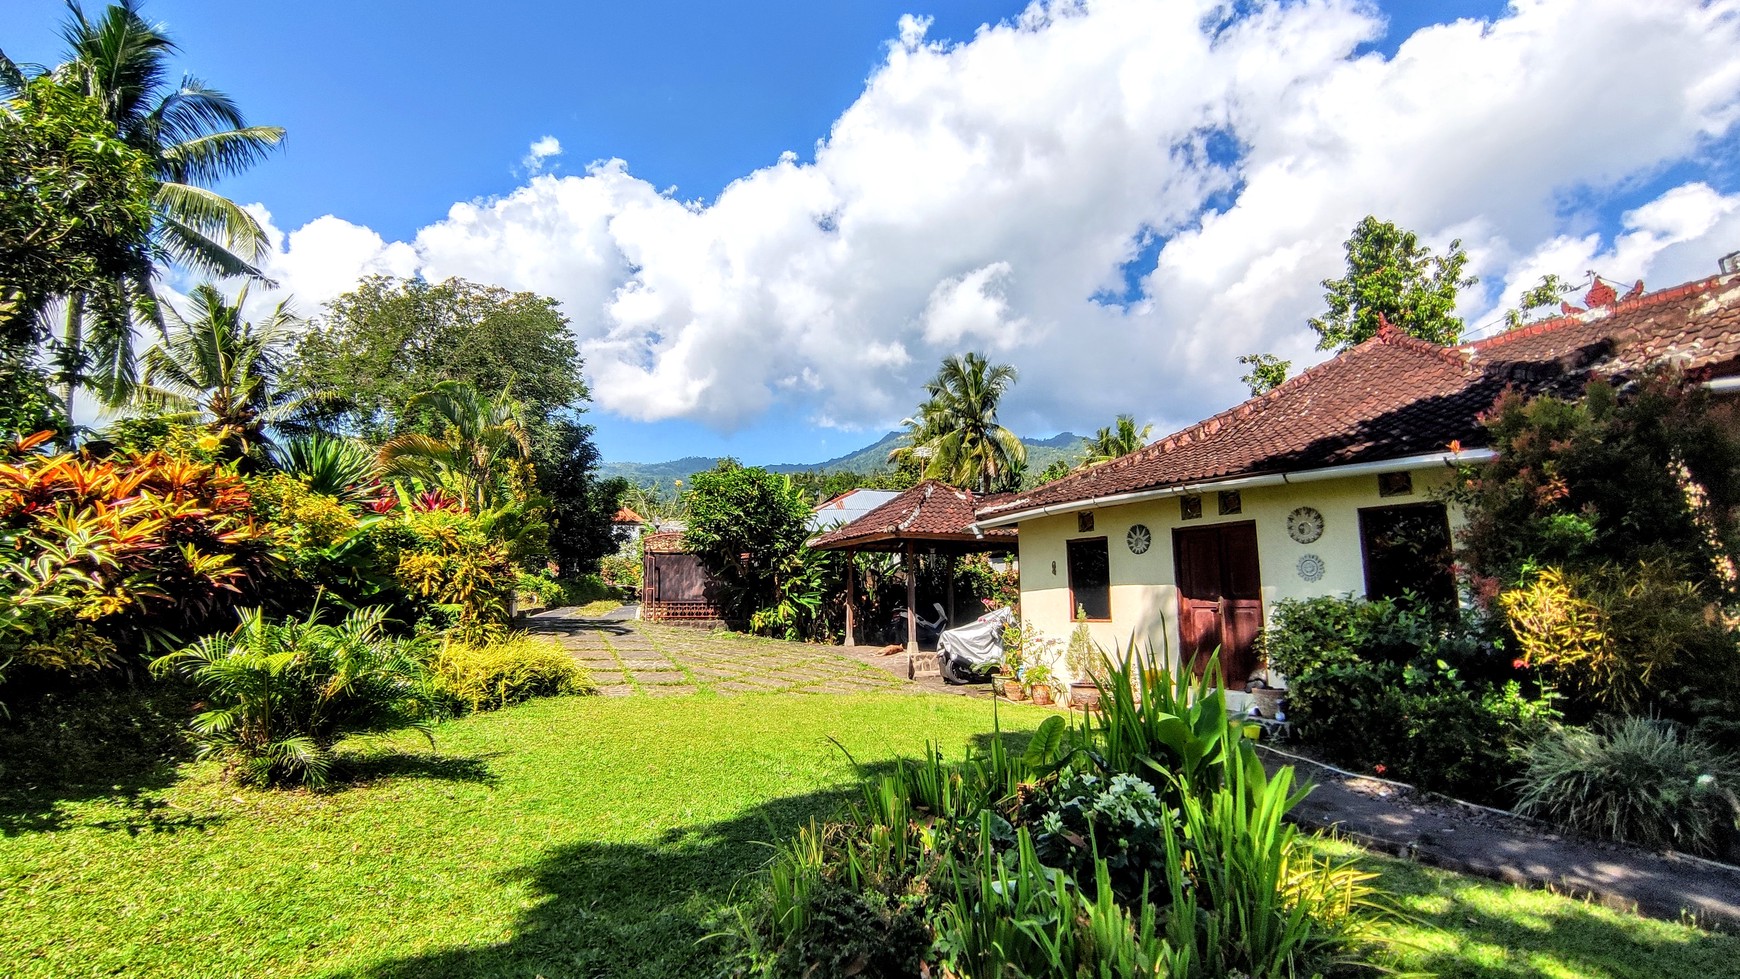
(871, 458)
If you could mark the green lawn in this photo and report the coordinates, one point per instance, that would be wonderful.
(579, 837)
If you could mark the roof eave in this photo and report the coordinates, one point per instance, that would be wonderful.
(1447, 458)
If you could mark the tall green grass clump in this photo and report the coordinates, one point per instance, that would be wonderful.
(1636, 780)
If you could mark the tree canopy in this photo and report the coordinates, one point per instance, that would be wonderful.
(1118, 439)
(75, 206)
(1391, 275)
(189, 136)
(735, 511)
(387, 341)
(955, 436)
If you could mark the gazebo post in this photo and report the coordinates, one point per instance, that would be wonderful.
(851, 604)
(911, 599)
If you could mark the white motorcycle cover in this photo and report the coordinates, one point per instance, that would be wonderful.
(979, 643)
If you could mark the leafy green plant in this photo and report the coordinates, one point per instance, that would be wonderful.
(1637, 780)
(1386, 686)
(280, 695)
(496, 674)
(1167, 726)
(331, 466)
(1618, 637)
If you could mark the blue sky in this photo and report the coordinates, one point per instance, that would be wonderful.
(396, 112)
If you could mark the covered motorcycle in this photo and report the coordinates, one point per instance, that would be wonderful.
(971, 653)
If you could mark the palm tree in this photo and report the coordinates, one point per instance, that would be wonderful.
(955, 436)
(1117, 440)
(216, 366)
(194, 135)
(481, 440)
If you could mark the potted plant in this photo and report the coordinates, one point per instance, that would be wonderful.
(1086, 667)
(1037, 679)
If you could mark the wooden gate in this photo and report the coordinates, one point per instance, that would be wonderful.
(1220, 596)
(675, 585)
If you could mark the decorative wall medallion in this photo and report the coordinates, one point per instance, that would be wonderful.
(1311, 567)
(1305, 524)
(1139, 538)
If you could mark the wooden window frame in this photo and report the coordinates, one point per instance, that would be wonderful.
(1069, 572)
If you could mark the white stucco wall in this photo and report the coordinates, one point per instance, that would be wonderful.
(1144, 596)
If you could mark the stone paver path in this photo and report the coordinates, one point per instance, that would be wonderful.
(627, 657)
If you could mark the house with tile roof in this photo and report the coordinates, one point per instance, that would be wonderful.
(1325, 485)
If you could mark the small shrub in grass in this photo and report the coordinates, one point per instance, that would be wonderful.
(493, 675)
(280, 695)
(1636, 780)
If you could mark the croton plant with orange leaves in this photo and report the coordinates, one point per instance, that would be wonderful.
(135, 552)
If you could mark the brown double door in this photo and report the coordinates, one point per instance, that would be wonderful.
(1220, 596)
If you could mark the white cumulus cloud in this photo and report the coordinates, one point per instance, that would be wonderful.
(992, 194)
(539, 154)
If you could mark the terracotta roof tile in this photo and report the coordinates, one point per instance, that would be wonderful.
(1395, 396)
(930, 511)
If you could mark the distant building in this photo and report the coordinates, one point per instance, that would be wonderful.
(847, 507)
(627, 525)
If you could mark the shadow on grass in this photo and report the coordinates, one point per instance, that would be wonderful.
(1462, 927)
(383, 765)
(633, 910)
(50, 809)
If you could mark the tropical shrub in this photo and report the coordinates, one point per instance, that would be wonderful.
(1380, 686)
(796, 609)
(493, 675)
(458, 568)
(621, 571)
(1621, 638)
(540, 589)
(1606, 479)
(1636, 780)
(127, 553)
(330, 466)
(736, 511)
(280, 695)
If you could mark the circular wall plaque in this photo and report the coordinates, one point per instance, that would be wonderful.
(1311, 567)
(1139, 538)
(1305, 524)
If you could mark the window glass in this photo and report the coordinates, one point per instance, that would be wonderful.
(1407, 549)
(1090, 578)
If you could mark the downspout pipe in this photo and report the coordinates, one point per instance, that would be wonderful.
(1447, 459)
(1723, 385)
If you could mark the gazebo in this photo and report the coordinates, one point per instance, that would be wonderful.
(932, 515)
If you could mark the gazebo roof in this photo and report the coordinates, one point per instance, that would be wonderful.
(931, 513)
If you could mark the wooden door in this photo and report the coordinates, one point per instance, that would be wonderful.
(1220, 596)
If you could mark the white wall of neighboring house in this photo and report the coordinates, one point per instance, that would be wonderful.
(1144, 593)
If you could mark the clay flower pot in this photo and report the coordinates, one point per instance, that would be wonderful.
(1012, 689)
(1084, 695)
(1042, 695)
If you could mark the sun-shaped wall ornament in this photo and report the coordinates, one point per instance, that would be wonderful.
(1139, 538)
(1311, 568)
(1305, 524)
